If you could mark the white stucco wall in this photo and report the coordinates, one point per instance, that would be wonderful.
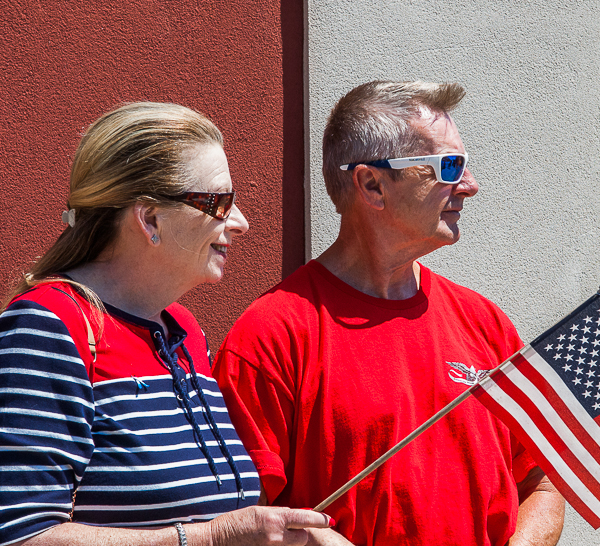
(530, 123)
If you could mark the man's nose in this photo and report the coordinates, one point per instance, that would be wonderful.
(468, 186)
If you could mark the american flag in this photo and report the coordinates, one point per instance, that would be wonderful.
(548, 394)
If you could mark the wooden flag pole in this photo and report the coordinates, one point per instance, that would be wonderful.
(417, 432)
(387, 455)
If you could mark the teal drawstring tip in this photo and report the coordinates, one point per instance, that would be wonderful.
(139, 382)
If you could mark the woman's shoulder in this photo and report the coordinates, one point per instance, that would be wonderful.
(53, 295)
(57, 309)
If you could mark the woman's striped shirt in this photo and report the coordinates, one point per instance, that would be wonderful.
(111, 433)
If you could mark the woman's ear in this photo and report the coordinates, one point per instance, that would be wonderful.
(369, 185)
(147, 219)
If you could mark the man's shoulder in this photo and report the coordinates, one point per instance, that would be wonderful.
(282, 312)
(298, 291)
(449, 293)
(445, 286)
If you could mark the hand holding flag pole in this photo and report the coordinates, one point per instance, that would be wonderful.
(548, 394)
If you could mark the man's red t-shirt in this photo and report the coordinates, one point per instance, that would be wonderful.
(320, 380)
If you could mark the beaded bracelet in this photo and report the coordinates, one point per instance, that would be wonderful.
(182, 535)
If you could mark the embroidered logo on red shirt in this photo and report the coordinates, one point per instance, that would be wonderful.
(462, 374)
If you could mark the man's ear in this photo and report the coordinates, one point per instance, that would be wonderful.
(369, 184)
(146, 218)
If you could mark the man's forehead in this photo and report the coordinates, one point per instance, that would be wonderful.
(437, 125)
(426, 116)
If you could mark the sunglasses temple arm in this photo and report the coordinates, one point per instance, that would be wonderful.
(406, 163)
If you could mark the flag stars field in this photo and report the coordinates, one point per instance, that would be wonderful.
(582, 345)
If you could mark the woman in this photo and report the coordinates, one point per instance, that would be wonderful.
(111, 429)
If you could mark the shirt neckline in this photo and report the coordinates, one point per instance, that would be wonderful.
(419, 298)
(176, 332)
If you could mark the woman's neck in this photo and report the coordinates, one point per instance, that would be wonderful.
(123, 289)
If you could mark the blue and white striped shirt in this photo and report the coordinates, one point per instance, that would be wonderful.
(111, 433)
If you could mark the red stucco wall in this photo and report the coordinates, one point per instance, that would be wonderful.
(64, 63)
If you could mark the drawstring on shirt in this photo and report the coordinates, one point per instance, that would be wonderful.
(213, 425)
(180, 388)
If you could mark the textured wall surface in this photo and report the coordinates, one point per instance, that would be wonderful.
(530, 123)
(62, 64)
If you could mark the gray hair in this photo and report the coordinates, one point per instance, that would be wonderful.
(373, 121)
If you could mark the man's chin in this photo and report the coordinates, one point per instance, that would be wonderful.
(450, 235)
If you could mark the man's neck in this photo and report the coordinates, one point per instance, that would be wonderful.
(370, 268)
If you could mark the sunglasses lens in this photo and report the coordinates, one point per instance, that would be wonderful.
(223, 205)
(453, 167)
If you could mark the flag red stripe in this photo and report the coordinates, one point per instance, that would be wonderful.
(560, 445)
(529, 371)
(570, 495)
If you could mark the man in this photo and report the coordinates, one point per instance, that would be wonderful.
(356, 349)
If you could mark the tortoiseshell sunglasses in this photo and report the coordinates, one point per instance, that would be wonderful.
(217, 205)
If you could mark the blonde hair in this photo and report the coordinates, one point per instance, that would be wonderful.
(133, 153)
(373, 122)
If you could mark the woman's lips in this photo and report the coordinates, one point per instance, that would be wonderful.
(220, 248)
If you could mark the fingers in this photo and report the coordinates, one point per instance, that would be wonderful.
(263, 526)
(301, 519)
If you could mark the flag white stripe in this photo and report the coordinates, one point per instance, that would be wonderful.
(563, 391)
(554, 420)
(543, 445)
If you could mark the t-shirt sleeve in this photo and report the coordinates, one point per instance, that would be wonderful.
(523, 462)
(46, 416)
(261, 407)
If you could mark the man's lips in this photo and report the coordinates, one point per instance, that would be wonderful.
(452, 213)
(453, 208)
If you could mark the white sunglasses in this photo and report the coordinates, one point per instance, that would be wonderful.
(449, 168)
